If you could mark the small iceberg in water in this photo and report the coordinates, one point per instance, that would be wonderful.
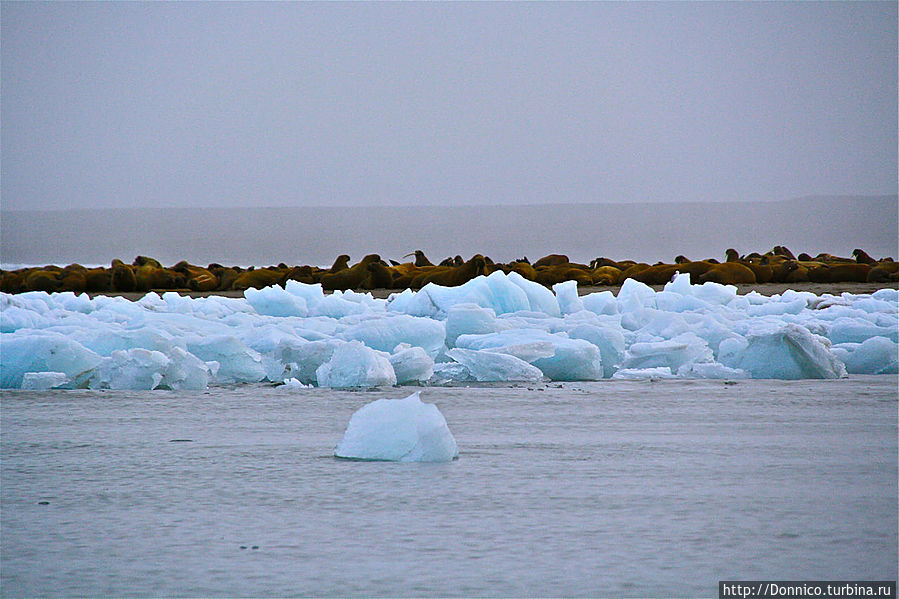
(398, 430)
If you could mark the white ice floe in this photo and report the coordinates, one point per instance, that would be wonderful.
(495, 328)
(398, 430)
(411, 364)
(566, 295)
(354, 365)
(790, 352)
(469, 319)
(130, 369)
(489, 366)
(41, 381)
(450, 373)
(877, 355)
(30, 351)
(684, 349)
(656, 372)
(291, 384)
(555, 354)
(237, 363)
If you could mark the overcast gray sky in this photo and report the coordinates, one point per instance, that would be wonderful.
(295, 104)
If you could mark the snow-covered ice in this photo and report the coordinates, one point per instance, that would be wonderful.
(495, 328)
(398, 430)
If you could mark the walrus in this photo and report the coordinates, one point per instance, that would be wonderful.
(606, 275)
(145, 261)
(150, 277)
(258, 279)
(551, 260)
(405, 268)
(797, 271)
(403, 274)
(729, 273)
(420, 258)
(350, 278)
(342, 262)
(491, 267)
(73, 279)
(452, 276)
(43, 280)
(840, 273)
(226, 275)
(524, 269)
(784, 251)
(830, 258)
(762, 269)
(657, 274)
(11, 281)
(559, 273)
(597, 262)
(884, 272)
(790, 271)
(197, 277)
(123, 279)
(774, 259)
(301, 274)
(379, 276)
(422, 276)
(625, 264)
(863, 258)
(97, 280)
(697, 268)
(633, 269)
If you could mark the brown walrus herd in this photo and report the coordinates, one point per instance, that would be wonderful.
(146, 274)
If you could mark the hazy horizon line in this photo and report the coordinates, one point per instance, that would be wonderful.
(885, 196)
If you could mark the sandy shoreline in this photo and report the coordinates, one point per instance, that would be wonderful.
(767, 289)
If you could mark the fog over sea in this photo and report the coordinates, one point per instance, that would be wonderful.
(316, 235)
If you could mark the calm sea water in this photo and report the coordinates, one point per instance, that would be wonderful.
(614, 488)
(261, 236)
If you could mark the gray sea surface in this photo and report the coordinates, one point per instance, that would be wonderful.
(317, 235)
(612, 488)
